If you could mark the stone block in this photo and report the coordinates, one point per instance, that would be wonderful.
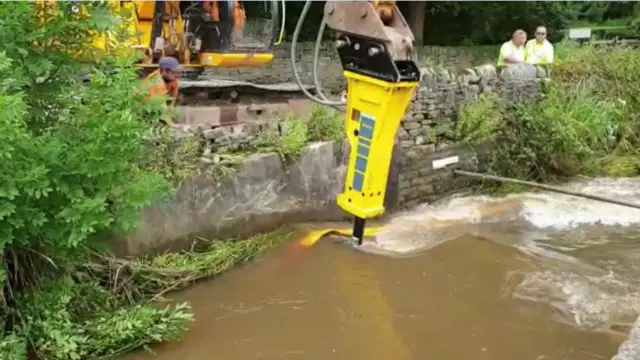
(214, 134)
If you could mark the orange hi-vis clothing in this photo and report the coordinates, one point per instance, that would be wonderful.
(155, 85)
(214, 11)
(239, 15)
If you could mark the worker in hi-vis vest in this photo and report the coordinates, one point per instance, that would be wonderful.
(164, 80)
(513, 52)
(539, 51)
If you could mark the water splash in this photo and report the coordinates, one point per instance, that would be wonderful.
(630, 349)
(586, 252)
(592, 302)
(433, 224)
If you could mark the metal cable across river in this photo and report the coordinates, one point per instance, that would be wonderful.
(536, 276)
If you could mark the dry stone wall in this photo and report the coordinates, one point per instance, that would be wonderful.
(428, 128)
(279, 70)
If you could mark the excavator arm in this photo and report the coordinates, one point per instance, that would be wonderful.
(375, 46)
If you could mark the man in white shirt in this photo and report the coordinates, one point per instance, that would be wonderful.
(539, 51)
(513, 51)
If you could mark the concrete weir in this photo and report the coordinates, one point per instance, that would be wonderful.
(264, 193)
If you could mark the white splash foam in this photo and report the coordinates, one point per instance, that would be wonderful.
(630, 349)
(563, 212)
(588, 301)
(407, 232)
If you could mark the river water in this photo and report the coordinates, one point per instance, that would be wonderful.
(532, 276)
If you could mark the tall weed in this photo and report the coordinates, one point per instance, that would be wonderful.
(325, 124)
(561, 135)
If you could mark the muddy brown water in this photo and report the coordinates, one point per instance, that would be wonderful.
(338, 303)
(526, 282)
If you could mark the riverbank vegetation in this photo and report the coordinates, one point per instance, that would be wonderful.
(74, 172)
(587, 122)
(179, 158)
(99, 306)
(294, 134)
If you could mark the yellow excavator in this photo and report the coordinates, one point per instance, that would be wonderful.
(200, 34)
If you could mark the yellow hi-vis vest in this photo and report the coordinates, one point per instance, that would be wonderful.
(509, 49)
(539, 54)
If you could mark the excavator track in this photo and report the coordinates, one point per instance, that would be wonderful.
(208, 101)
(208, 89)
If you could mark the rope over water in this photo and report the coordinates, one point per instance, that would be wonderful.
(546, 187)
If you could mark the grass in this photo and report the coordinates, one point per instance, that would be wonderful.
(294, 133)
(108, 306)
(325, 124)
(155, 276)
(179, 160)
(289, 140)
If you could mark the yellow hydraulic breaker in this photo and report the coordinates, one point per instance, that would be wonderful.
(377, 58)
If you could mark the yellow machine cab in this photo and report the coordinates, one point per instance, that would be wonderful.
(210, 33)
(198, 33)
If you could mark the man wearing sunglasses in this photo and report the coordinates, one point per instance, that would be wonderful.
(539, 51)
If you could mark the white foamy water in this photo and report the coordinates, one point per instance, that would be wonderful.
(413, 231)
(585, 270)
(590, 301)
(630, 349)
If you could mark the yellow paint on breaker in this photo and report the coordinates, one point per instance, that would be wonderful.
(313, 237)
(374, 111)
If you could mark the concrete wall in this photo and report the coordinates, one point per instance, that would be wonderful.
(264, 193)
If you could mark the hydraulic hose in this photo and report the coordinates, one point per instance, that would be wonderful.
(296, 75)
(282, 26)
(316, 57)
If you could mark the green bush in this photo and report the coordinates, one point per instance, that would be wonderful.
(75, 319)
(289, 140)
(175, 159)
(480, 119)
(70, 148)
(72, 129)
